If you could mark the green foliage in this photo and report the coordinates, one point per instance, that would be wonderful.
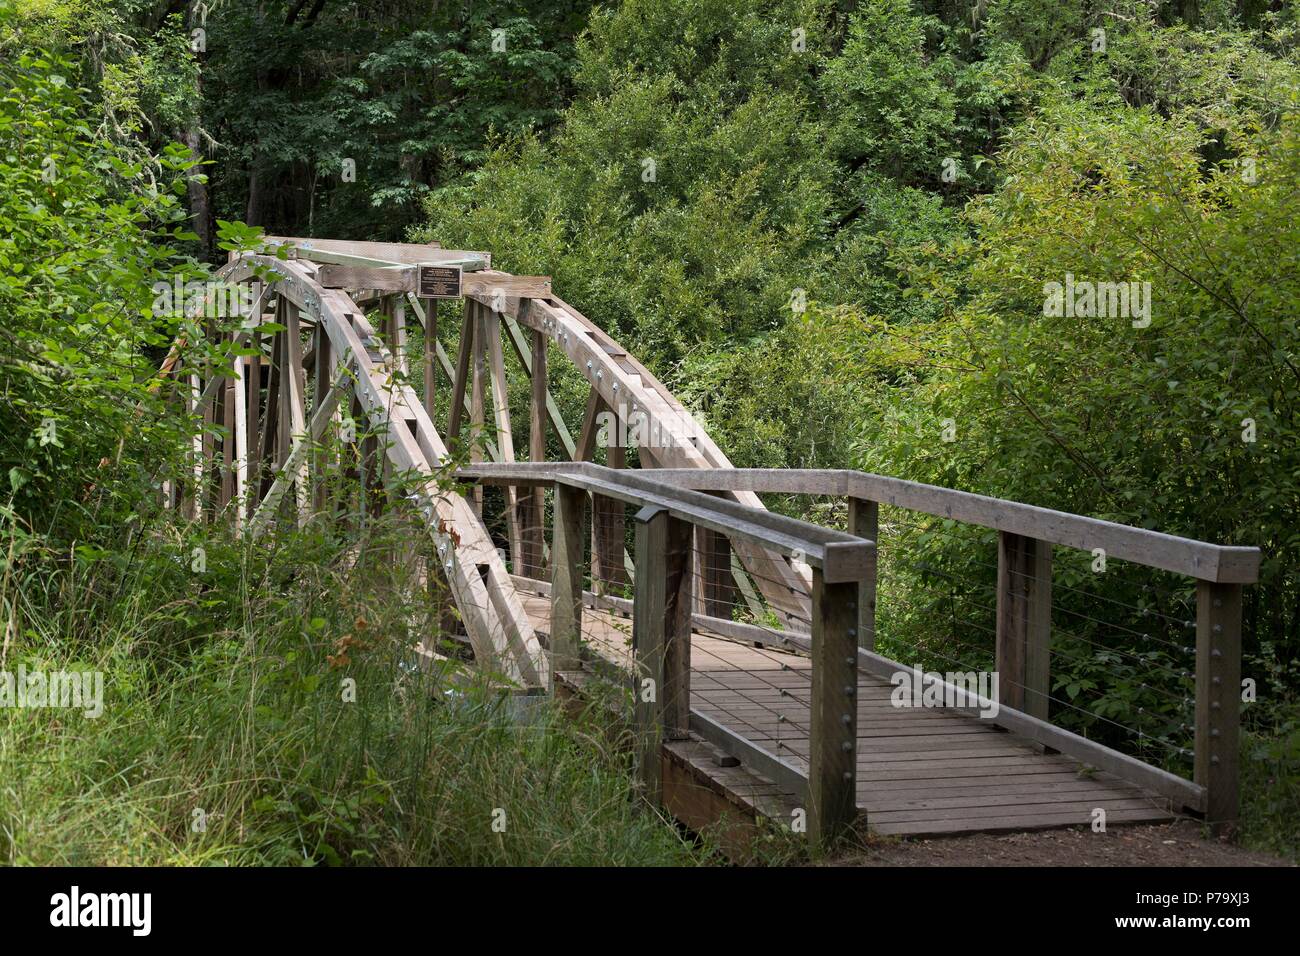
(411, 95)
(1147, 426)
(824, 173)
(226, 737)
(830, 231)
(894, 107)
(85, 234)
(687, 198)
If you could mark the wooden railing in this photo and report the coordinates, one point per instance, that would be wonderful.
(662, 619)
(844, 590)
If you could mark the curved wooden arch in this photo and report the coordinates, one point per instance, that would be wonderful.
(273, 432)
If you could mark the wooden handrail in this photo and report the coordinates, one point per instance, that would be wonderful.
(1155, 549)
(676, 508)
(662, 617)
(1026, 534)
(841, 556)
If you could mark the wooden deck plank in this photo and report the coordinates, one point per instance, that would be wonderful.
(1012, 823)
(919, 770)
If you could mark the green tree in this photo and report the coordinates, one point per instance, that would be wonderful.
(84, 234)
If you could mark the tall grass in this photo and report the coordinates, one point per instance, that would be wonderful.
(226, 737)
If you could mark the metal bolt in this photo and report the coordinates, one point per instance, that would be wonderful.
(846, 747)
(1218, 602)
(1214, 732)
(849, 691)
(853, 632)
(847, 719)
(847, 776)
(1214, 758)
(1215, 652)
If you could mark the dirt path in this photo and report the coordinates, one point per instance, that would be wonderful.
(1173, 844)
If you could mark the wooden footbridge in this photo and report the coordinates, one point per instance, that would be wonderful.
(746, 638)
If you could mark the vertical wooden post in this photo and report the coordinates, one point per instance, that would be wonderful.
(456, 413)
(430, 357)
(1024, 623)
(194, 495)
(1218, 701)
(478, 397)
(268, 441)
(254, 412)
(534, 531)
(398, 323)
(239, 432)
(295, 396)
(716, 593)
(832, 764)
(383, 467)
(280, 348)
(864, 521)
(501, 416)
(227, 392)
(661, 640)
(322, 381)
(567, 540)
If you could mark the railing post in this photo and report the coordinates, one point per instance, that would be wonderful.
(566, 577)
(1024, 623)
(661, 640)
(1218, 701)
(832, 763)
(864, 521)
(714, 574)
(534, 525)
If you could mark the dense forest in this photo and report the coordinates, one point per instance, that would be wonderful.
(845, 233)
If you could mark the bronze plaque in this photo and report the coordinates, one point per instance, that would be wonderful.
(438, 282)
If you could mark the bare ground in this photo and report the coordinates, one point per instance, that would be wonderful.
(1175, 844)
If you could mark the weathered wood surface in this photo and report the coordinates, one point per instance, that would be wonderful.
(1024, 623)
(833, 717)
(841, 556)
(1218, 701)
(918, 770)
(661, 640)
(784, 555)
(495, 621)
(1197, 559)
